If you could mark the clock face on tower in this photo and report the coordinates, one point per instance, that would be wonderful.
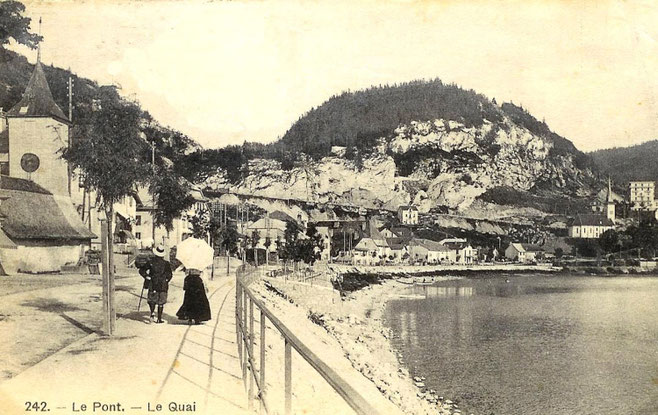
(30, 162)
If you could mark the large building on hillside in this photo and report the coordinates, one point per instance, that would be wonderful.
(408, 215)
(642, 195)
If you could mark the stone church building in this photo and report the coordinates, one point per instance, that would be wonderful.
(38, 215)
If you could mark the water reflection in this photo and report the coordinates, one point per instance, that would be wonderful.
(535, 344)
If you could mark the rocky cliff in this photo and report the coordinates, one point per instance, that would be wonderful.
(430, 163)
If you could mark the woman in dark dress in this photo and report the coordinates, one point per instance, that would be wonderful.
(195, 304)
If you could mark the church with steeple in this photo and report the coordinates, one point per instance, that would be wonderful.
(41, 229)
(36, 130)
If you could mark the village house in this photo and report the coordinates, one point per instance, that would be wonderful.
(266, 227)
(464, 252)
(146, 233)
(425, 251)
(348, 227)
(398, 250)
(408, 215)
(372, 248)
(520, 252)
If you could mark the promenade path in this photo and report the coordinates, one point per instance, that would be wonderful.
(180, 367)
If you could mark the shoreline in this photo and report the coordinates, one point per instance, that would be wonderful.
(417, 270)
(356, 322)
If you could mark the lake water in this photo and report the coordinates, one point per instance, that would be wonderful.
(534, 344)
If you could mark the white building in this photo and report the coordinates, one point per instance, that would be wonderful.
(408, 215)
(589, 226)
(146, 234)
(464, 252)
(523, 252)
(430, 252)
(642, 195)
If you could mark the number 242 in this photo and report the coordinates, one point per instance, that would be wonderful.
(35, 406)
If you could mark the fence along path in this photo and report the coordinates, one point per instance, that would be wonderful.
(252, 317)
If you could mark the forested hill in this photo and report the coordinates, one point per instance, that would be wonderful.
(355, 118)
(625, 164)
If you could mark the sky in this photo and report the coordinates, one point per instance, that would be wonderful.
(224, 72)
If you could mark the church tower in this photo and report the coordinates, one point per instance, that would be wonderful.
(38, 129)
(610, 203)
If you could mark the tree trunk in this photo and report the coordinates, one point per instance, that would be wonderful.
(109, 213)
(228, 263)
(153, 225)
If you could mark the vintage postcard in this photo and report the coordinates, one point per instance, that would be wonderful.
(328, 207)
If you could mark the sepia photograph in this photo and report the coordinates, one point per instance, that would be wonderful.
(317, 207)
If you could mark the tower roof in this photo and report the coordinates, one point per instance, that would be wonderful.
(37, 99)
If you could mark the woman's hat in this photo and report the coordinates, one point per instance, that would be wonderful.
(159, 250)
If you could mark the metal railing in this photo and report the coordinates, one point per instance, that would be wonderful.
(254, 376)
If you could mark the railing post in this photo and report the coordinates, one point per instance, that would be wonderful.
(245, 356)
(262, 361)
(237, 321)
(251, 353)
(288, 377)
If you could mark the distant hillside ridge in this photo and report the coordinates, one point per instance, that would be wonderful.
(626, 164)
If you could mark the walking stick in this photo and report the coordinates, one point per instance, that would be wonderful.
(140, 298)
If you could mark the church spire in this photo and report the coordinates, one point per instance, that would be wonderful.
(37, 100)
(39, 44)
(609, 190)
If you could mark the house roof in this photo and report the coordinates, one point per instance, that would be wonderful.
(591, 220)
(366, 244)
(457, 245)
(37, 99)
(533, 248)
(31, 212)
(526, 247)
(374, 234)
(5, 242)
(453, 241)
(518, 247)
(397, 244)
(264, 223)
(429, 245)
(407, 207)
(399, 231)
(283, 216)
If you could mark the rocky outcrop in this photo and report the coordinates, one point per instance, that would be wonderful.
(434, 163)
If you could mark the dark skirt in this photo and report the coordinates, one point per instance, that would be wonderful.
(195, 303)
